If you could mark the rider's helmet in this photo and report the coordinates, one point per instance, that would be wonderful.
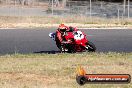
(62, 28)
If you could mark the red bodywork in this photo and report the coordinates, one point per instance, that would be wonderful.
(79, 45)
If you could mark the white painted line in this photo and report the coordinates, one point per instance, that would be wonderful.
(104, 28)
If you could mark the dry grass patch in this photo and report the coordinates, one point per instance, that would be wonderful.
(53, 21)
(59, 70)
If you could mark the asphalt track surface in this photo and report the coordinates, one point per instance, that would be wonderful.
(37, 40)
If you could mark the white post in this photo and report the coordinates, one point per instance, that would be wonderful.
(64, 3)
(124, 7)
(52, 7)
(118, 15)
(101, 4)
(90, 8)
(128, 8)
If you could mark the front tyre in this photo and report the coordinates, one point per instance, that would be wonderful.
(91, 47)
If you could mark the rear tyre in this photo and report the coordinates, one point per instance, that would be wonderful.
(91, 47)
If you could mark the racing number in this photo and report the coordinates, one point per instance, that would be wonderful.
(78, 35)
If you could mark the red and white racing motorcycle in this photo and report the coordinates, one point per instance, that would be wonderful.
(75, 42)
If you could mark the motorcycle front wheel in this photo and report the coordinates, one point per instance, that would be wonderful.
(91, 47)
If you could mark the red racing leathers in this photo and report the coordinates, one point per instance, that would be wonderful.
(60, 35)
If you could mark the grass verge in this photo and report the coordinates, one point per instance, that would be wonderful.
(59, 70)
(53, 21)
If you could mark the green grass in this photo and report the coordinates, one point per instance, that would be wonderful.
(59, 70)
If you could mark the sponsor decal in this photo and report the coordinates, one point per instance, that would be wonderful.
(83, 78)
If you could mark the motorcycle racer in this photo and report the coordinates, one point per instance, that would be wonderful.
(61, 32)
(70, 39)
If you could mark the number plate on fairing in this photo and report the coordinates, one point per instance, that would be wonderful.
(78, 35)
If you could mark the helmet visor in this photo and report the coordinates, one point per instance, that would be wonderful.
(62, 30)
